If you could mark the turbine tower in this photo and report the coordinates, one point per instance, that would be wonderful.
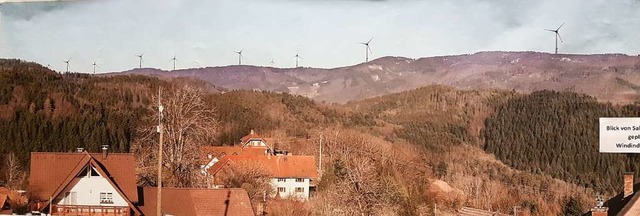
(297, 56)
(67, 62)
(557, 33)
(174, 59)
(367, 50)
(94, 67)
(240, 57)
(140, 56)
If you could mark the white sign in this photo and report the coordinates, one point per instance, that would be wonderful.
(620, 135)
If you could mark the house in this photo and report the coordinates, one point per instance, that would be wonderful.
(82, 182)
(5, 208)
(291, 176)
(198, 201)
(254, 140)
(251, 144)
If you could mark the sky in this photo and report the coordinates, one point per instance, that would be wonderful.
(326, 33)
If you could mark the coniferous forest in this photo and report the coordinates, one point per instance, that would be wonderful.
(556, 134)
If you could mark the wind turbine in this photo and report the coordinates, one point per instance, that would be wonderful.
(557, 35)
(140, 56)
(271, 63)
(367, 50)
(240, 57)
(297, 56)
(94, 67)
(67, 62)
(174, 59)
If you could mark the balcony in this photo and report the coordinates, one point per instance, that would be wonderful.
(77, 210)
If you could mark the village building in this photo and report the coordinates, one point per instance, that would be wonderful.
(198, 201)
(83, 183)
(5, 208)
(291, 176)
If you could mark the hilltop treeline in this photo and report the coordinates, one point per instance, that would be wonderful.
(41, 110)
(556, 133)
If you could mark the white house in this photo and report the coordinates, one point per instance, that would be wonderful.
(291, 176)
(72, 183)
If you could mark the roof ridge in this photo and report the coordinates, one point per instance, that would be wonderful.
(175, 188)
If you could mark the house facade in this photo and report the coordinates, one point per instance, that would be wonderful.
(292, 176)
(83, 183)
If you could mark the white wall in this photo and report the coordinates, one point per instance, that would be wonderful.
(290, 184)
(88, 191)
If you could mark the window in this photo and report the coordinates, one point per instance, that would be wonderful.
(70, 198)
(282, 190)
(106, 198)
(299, 180)
(299, 190)
(282, 180)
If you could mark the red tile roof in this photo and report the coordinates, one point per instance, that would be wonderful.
(4, 195)
(278, 166)
(198, 201)
(250, 136)
(216, 151)
(51, 172)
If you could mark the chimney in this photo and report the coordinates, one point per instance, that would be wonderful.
(105, 150)
(79, 150)
(628, 184)
(599, 210)
(269, 156)
(252, 132)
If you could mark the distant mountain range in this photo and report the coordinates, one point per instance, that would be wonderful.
(608, 77)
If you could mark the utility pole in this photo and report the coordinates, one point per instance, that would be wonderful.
(160, 130)
(435, 209)
(320, 156)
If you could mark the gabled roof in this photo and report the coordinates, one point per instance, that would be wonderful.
(198, 201)
(52, 172)
(251, 136)
(278, 166)
(4, 195)
(216, 151)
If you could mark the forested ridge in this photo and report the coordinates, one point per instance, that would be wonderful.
(41, 110)
(556, 133)
(404, 140)
(45, 111)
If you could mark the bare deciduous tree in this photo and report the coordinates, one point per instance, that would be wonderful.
(250, 175)
(13, 170)
(188, 124)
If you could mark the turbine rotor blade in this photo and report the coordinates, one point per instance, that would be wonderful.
(550, 30)
(369, 48)
(559, 37)
(370, 40)
(560, 26)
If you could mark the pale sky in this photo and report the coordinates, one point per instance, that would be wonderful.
(326, 33)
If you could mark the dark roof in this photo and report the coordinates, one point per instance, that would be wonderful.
(51, 172)
(619, 205)
(198, 201)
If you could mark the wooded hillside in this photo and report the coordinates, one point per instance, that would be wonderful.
(556, 134)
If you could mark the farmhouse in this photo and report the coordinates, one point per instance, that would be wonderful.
(292, 176)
